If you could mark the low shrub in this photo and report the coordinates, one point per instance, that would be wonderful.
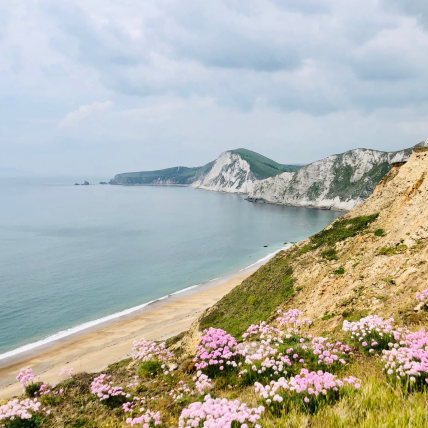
(21, 413)
(149, 368)
(308, 390)
(372, 333)
(220, 413)
(379, 232)
(330, 254)
(217, 352)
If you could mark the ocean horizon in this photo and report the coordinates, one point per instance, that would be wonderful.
(73, 257)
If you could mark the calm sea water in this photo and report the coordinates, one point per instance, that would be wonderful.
(72, 254)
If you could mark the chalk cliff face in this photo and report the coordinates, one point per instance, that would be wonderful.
(234, 171)
(339, 181)
(336, 182)
(230, 173)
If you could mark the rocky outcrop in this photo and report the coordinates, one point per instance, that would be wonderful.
(371, 260)
(339, 182)
(383, 270)
(230, 173)
(234, 171)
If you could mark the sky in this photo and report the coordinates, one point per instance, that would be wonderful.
(99, 87)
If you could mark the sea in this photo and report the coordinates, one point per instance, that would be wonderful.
(74, 256)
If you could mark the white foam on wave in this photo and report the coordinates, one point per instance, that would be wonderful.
(90, 324)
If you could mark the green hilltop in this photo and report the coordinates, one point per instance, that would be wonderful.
(261, 166)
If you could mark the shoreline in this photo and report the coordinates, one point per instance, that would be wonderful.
(85, 347)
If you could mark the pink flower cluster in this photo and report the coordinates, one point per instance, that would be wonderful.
(263, 331)
(422, 298)
(408, 360)
(19, 409)
(26, 377)
(311, 387)
(145, 350)
(147, 418)
(202, 383)
(262, 360)
(292, 320)
(220, 413)
(330, 353)
(216, 349)
(373, 333)
(104, 389)
(46, 389)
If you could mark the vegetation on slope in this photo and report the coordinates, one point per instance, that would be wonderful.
(259, 295)
(373, 398)
(263, 167)
(176, 175)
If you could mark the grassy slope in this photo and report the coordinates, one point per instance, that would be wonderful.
(263, 167)
(259, 295)
(175, 175)
(378, 403)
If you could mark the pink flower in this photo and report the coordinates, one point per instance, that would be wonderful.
(25, 377)
(219, 413)
(19, 409)
(216, 348)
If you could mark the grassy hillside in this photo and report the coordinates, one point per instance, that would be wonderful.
(263, 167)
(179, 175)
(306, 342)
(257, 298)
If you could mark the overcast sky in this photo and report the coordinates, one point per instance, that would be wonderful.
(104, 86)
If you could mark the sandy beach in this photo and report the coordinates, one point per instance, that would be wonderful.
(94, 350)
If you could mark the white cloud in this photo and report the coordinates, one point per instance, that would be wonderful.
(84, 112)
(291, 78)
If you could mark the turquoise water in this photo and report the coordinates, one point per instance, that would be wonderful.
(72, 254)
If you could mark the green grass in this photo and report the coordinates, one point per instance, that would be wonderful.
(176, 175)
(263, 167)
(379, 232)
(341, 229)
(149, 368)
(390, 251)
(330, 254)
(339, 271)
(378, 404)
(35, 422)
(32, 388)
(255, 299)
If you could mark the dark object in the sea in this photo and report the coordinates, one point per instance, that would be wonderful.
(85, 183)
(103, 182)
(265, 246)
(77, 184)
